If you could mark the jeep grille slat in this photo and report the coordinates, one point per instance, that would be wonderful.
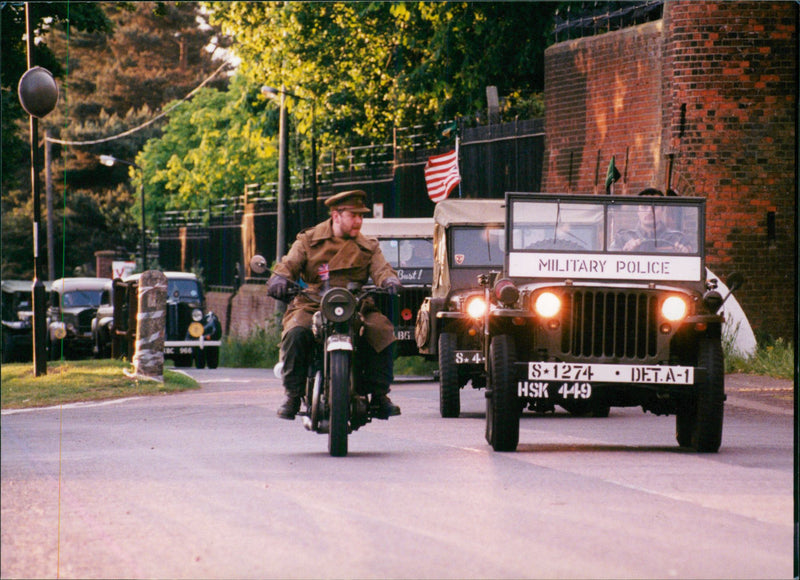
(609, 323)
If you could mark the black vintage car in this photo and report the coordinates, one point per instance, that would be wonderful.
(193, 334)
(604, 301)
(17, 317)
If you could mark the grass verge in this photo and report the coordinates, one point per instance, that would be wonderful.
(79, 381)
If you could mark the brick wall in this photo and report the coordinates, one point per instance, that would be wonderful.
(710, 91)
(733, 67)
(603, 98)
(249, 308)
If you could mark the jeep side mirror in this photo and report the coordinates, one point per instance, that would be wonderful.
(735, 281)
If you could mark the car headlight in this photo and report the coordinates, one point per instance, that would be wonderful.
(476, 306)
(547, 305)
(197, 315)
(674, 308)
(58, 330)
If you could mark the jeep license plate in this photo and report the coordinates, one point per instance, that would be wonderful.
(610, 373)
(468, 357)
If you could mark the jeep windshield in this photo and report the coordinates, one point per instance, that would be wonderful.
(477, 246)
(599, 237)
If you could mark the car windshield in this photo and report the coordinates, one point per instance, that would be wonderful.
(185, 290)
(477, 246)
(412, 253)
(81, 298)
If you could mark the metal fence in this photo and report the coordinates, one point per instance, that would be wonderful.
(493, 159)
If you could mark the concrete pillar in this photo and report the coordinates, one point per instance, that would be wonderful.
(148, 358)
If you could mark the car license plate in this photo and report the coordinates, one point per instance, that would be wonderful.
(404, 334)
(610, 373)
(180, 350)
(466, 357)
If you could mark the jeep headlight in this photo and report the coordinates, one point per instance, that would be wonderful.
(197, 315)
(547, 305)
(475, 306)
(674, 308)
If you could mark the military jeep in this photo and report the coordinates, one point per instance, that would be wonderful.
(468, 240)
(407, 244)
(604, 301)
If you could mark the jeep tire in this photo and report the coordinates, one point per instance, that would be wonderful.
(502, 404)
(449, 387)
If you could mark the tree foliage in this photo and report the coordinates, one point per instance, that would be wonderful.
(212, 147)
(117, 64)
(374, 66)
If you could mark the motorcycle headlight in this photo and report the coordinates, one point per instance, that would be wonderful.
(197, 315)
(476, 306)
(547, 305)
(674, 308)
(338, 305)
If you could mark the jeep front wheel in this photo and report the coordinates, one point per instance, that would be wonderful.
(698, 421)
(449, 395)
(502, 404)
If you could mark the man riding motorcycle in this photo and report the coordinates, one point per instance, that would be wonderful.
(333, 254)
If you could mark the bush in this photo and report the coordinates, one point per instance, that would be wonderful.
(772, 358)
(260, 349)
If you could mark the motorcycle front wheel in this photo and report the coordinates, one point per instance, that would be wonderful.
(339, 401)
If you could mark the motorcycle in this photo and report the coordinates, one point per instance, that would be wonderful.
(333, 403)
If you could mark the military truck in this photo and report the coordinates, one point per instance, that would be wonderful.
(407, 243)
(468, 240)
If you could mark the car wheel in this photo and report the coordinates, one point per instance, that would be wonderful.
(502, 403)
(449, 388)
(199, 356)
(212, 357)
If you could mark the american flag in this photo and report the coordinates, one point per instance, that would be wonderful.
(441, 175)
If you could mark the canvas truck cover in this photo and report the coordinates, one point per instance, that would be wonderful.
(452, 212)
(397, 227)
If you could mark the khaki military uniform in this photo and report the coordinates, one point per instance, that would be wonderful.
(316, 255)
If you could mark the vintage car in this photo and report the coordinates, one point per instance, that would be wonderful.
(468, 241)
(192, 333)
(407, 243)
(73, 306)
(603, 301)
(17, 317)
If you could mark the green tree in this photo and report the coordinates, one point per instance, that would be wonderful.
(121, 69)
(375, 66)
(212, 147)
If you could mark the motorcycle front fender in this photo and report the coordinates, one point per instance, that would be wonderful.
(338, 342)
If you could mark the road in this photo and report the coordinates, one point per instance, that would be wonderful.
(211, 484)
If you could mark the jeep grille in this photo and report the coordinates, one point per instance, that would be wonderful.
(609, 323)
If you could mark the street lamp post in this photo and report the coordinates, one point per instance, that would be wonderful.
(38, 95)
(283, 163)
(109, 161)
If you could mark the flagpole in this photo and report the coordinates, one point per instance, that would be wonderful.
(459, 182)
